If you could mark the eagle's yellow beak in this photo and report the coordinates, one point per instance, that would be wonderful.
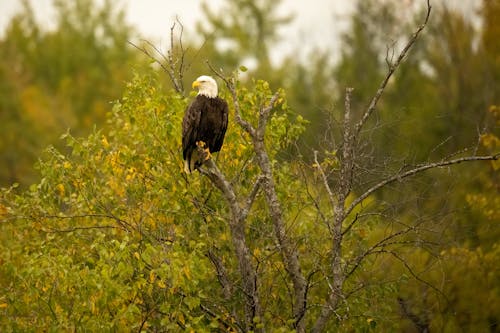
(196, 84)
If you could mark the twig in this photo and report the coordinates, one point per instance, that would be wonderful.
(173, 67)
(54, 230)
(237, 111)
(222, 276)
(264, 113)
(252, 196)
(331, 197)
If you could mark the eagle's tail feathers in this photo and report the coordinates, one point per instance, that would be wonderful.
(186, 167)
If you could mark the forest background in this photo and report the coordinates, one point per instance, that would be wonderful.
(100, 229)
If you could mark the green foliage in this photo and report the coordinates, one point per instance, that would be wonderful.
(53, 80)
(118, 236)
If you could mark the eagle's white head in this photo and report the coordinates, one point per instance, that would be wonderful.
(206, 86)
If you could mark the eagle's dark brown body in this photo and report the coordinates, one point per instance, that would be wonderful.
(205, 120)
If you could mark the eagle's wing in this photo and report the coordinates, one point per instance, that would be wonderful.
(221, 130)
(190, 124)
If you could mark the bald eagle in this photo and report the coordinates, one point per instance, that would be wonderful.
(204, 123)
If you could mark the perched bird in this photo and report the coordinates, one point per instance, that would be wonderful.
(204, 124)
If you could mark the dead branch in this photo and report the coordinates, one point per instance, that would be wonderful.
(392, 68)
(414, 171)
(173, 66)
(344, 188)
(55, 230)
(230, 84)
(252, 196)
(315, 201)
(222, 276)
(421, 324)
(380, 244)
(317, 165)
(264, 112)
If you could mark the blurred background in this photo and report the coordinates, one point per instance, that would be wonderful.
(62, 64)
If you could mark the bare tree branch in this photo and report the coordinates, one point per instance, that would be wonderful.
(379, 244)
(422, 324)
(344, 188)
(390, 72)
(173, 66)
(400, 176)
(412, 273)
(230, 84)
(55, 230)
(222, 276)
(252, 196)
(315, 201)
(317, 165)
(264, 112)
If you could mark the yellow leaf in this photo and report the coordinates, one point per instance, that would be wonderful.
(3, 305)
(187, 272)
(181, 319)
(104, 141)
(3, 210)
(60, 189)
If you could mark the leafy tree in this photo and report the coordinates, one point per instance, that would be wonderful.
(54, 80)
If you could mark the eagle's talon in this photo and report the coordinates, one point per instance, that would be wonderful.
(207, 154)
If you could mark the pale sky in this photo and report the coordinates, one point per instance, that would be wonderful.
(316, 24)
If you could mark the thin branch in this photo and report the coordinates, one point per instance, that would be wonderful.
(222, 276)
(347, 150)
(264, 113)
(287, 250)
(379, 244)
(344, 188)
(173, 67)
(237, 110)
(122, 223)
(391, 70)
(412, 273)
(220, 75)
(162, 65)
(422, 324)
(252, 196)
(314, 200)
(181, 66)
(331, 197)
(349, 227)
(54, 230)
(412, 172)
